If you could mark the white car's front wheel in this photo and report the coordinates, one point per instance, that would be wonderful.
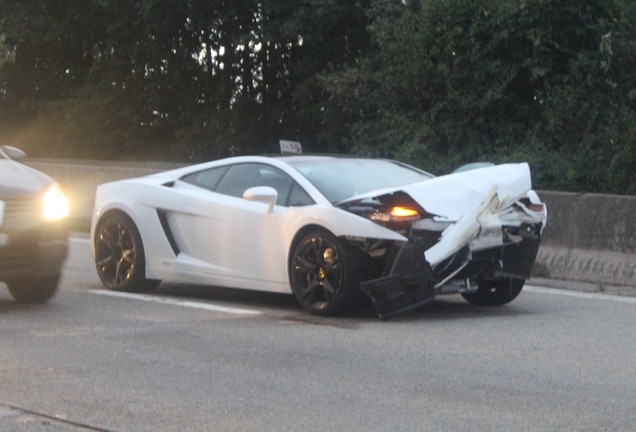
(495, 293)
(325, 274)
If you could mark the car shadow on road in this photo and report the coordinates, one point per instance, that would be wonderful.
(237, 297)
(455, 308)
(9, 305)
(287, 308)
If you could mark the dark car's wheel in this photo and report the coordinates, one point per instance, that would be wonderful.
(34, 290)
(119, 255)
(495, 293)
(325, 274)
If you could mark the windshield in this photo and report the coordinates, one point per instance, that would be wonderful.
(339, 179)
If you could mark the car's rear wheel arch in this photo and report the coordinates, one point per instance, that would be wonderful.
(106, 217)
(136, 280)
(108, 213)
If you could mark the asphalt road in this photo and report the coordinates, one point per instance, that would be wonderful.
(206, 359)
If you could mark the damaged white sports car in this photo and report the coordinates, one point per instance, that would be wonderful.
(323, 228)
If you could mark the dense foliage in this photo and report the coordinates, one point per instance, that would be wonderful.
(434, 82)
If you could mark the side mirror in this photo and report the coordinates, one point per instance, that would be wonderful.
(264, 194)
(13, 152)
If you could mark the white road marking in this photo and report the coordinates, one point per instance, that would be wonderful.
(579, 294)
(165, 300)
(175, 302)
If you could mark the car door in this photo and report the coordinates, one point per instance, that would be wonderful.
(236, 241)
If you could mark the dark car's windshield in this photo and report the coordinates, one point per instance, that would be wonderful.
(339, 179)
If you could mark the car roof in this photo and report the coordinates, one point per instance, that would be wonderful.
(314, 157)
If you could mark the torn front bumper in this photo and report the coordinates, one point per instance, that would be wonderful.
(489, 244)
(410, 282)
(406, 286)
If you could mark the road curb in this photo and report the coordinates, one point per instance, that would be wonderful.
(599, 288)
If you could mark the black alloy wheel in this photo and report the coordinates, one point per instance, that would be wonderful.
(324, 275)
(495, 292)
(119, 255)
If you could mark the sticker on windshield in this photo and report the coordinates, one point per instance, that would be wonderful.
(1, 212)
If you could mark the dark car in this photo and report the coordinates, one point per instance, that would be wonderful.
(33, 230)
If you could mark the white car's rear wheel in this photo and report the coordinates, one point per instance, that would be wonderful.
(325, 276)
(119, 255)
(495, 293)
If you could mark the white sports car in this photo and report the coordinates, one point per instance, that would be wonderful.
(323, 228)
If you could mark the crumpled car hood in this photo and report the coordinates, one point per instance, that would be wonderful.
(452, 196)
(469, 206)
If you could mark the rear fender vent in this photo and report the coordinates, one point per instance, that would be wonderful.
(163, 219)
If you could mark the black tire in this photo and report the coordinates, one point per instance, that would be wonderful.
(325, 274)
(34, 290)
(495, 293)
(119, 255)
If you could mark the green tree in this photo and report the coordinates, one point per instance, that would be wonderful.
(435, 82)
(454, 81)
(184, 80)
(48, 49)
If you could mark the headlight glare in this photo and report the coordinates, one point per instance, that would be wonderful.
(55, 204)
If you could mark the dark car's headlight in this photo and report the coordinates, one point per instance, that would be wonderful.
(54, 204)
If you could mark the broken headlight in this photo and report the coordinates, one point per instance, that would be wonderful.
(396, 214)
(396, 211)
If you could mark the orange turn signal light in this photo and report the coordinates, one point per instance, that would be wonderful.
(403, 213)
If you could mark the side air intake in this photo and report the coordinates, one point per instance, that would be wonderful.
(168, 233)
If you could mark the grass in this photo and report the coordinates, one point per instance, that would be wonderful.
(540, 271)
